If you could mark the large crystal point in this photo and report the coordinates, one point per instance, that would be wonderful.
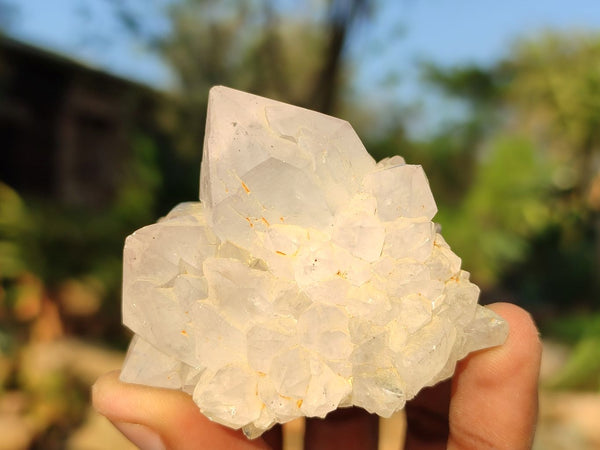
(308, 277)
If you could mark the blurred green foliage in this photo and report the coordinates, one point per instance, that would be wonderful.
(15, 225)
(582, 370)
(60, 275)
(531, 199)
(507, 203)
(56, 243)
(528, 221)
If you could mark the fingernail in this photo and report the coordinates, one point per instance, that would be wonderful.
(141, 435)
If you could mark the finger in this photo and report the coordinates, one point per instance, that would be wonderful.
(494, 391)
(346, 428)
(427, 426)
(274, 437)
(155, 418)
(427, 414)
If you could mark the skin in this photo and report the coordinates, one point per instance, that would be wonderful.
(490, 403)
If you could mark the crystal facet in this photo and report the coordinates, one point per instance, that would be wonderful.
(308, 278)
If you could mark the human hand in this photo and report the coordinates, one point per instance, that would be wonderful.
(490, 403)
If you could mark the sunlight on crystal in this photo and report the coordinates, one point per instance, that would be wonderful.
(308, 278)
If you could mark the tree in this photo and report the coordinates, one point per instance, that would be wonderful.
(529, 216)
(555, 95)
(257, 47)
(294, 53)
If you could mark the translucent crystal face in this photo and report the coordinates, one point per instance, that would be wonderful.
(308, 278)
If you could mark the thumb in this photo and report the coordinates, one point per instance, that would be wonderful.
(156, 419)
(494, 392)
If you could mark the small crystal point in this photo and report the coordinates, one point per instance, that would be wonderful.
(308, 277)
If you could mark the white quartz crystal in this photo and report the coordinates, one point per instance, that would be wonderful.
(308, 278)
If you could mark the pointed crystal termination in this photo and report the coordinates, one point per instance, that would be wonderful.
(308, 278)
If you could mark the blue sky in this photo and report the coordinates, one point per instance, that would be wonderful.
(401, 33)
(71, 27)
(451, 32)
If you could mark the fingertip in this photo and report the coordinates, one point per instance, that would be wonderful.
(522, 325)
(162, 415)
(494, 398)
(521, 352)
(101, 392)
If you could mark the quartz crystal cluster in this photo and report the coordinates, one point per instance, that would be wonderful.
(308, 277)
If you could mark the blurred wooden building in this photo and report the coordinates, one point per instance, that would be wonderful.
(65, 126)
